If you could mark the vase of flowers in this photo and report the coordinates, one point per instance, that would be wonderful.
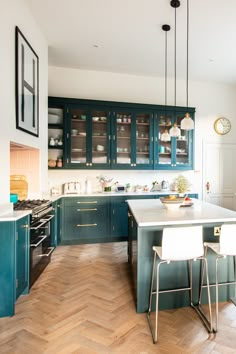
(182, 185)
(106, 183)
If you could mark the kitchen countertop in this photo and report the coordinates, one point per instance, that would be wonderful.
(154, 213)
(10, 215)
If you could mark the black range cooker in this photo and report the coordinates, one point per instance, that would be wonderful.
(40, 234)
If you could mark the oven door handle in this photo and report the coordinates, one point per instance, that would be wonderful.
(47, 218)
(37, 244)
(47, 254)
(42, 222)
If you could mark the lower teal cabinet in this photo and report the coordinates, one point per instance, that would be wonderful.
(22, 256)
(119, 215)
(14, 263)
(85, 220)
(96, 219)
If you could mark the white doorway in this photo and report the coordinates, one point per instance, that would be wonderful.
(219, 172)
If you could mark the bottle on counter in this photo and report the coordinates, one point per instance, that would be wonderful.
(88, 186)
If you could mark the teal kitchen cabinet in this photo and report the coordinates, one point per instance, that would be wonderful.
(14, 263)
(172, 153)
(85, 220)
(22, 256)
(88, 137)
(119, 135)
(56, 133)
(132, 139)
(59, 219)
(119, 215)
(56, 223)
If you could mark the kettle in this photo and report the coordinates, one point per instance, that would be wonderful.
(165, 185)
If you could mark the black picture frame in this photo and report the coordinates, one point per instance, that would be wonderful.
(27, 85)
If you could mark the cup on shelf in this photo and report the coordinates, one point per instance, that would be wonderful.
(74, 132)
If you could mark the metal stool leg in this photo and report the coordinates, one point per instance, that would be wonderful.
(157, 268)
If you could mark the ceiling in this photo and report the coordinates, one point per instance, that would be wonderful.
(125, 36)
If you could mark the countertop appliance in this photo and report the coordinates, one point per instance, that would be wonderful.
(71, 188)
(40, 234)
(164, 185)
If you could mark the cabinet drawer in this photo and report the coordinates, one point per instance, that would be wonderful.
(85, 222)
(85, 202)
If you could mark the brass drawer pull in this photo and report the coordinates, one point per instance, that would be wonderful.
(82, 225)
(94, 209)
(94, 202)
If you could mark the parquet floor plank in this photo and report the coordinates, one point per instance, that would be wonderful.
(83, 304)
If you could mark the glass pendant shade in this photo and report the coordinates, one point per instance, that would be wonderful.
(175, 131)
(187, 123)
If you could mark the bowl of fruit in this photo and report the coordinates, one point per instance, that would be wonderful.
(172, 202)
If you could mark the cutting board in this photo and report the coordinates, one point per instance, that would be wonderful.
(19, 185)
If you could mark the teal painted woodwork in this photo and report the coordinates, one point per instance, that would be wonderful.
(14, 263)
(54, 225)
(129, 133)
(22, 256)
(85, 220)
(140, 242)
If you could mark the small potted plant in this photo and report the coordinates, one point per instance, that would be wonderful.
(128, 187)
(182, 185)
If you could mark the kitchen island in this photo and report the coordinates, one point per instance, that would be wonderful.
(147, 218)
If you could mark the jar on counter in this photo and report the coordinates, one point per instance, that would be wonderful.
(59, 163)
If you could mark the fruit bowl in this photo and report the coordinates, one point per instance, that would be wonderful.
(172, 203)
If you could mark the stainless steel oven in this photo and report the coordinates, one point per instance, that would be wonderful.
(40, 234)
(40, 246)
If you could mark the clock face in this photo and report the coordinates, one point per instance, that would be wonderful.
(222, 126)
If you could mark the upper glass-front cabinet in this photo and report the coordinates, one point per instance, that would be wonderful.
(116, 135)
(131, 144)
(88, 137)
(173, 146)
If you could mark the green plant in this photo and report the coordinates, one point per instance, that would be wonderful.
(182, 184)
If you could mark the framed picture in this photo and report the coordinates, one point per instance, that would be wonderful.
(27, 86)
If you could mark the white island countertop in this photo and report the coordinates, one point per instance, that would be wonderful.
(153, 213)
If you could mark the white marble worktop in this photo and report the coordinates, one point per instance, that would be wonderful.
(14, 215)
(153, 213)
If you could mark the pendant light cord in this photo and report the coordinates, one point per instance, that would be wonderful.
(187, 53)
(165, 69)
(175, 59)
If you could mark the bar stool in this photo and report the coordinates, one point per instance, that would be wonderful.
(226, 247)
(178, 244)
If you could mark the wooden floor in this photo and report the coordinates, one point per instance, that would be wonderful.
(83, 304)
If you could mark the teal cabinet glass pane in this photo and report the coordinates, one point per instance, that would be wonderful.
(99, 137)
(78, 135)
(143, 138)
(123, 138)
(164, 140)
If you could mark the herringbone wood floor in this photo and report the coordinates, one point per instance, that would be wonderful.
(83, 304)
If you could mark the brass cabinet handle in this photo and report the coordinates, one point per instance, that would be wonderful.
(93, 202)
(94, 209)
(83, 225)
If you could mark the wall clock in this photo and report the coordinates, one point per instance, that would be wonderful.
(222, 125)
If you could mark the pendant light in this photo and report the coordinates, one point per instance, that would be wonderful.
(187, 122)
(175, 131)
(165, 136)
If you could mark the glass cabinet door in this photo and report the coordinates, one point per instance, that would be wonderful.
(144, 140)
(78, 134)
(183, 157)
(100, 137)
(121, 138)
(163, 157)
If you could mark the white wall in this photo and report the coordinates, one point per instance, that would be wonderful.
(211, 100)
(16, 13)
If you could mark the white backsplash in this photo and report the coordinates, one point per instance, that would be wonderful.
(58, 178)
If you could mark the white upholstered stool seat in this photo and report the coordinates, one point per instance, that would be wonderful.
(178, 244)
(226, 247)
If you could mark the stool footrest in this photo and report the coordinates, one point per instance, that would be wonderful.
(170, 290)
(219, 284)
(202, 316)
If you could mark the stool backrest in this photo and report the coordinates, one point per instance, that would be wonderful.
(182, 243)
(228, 239)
